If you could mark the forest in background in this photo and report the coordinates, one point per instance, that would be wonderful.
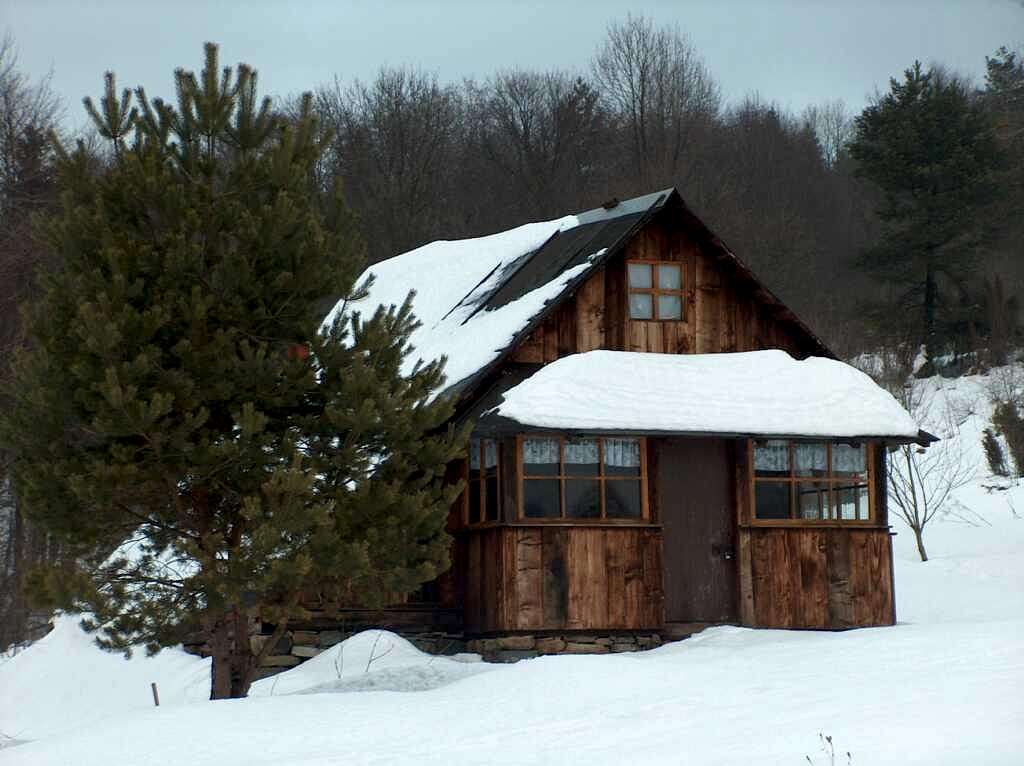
(421, 160)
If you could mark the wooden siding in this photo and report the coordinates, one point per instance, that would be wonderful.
(804, 577)
(551, 577)
(719, 315)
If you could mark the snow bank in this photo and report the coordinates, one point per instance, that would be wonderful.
(757, 392)
(65, 682)
(450, 278)
(373, 660)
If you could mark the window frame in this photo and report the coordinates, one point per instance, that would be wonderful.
(561, 476)
(481, 481)
(830, 480)
(655, 291)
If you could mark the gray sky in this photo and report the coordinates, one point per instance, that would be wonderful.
(793, 52)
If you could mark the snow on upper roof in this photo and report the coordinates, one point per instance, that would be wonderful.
(450, 278)
(757, 392)
(455, 281)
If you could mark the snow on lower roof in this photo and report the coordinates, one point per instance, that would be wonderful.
(758, 392)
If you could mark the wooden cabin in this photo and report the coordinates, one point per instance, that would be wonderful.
(633, 471)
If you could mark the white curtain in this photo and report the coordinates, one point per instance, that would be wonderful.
(581, 452)
(474, 454)
(540, 451)
(811, 459)
(772, 456)
(622, 453)
(490, 453)
(848, 458)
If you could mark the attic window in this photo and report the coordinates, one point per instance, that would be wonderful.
(586, 479)
(811, 481)
(655, 290)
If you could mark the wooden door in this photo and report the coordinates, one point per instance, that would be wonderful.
(695, 501)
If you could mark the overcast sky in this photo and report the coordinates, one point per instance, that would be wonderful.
(793, 52)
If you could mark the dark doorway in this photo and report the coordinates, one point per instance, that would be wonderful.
(695, 500)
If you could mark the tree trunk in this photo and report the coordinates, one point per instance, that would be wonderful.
(918, 537)
(233, 666)
(931, 300)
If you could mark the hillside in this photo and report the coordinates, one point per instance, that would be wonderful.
(942, 687)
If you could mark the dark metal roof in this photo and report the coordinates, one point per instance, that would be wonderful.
(561, 252)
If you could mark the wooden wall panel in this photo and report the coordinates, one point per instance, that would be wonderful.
(824, 577)
(719, 316)
(522, 578)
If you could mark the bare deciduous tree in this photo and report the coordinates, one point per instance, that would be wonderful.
(658, 86)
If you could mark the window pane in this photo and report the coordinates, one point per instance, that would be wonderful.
(622, 500)
(771, 458)
(670, 307)
(771, 499)
(811, 459)
(640, 275)
(622, 457)
(852, 502)
(474, 502)
(812, 500)
(640, 306)
(581, 457)
(583, 498)
(849, 460)
(491, 496)
(541, 499)
(540, 457)
(670, 276)
(474, 454)
(490, 453)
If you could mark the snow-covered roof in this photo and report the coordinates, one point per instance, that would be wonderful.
(758, 393)
(475, 296)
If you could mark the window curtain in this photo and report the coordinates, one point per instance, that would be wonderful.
(582, 452)
(772, 456)
(621, 453)
(848, 458)
(540, 451)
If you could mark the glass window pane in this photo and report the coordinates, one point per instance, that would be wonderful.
(812, 500)
(771, 499)
(849, 459)
(670, 276)
(622, 457)
(540, 457)
(474, 502)
(810, 459)
(852, 502)
(640, 275)
(622, 500)
(581, 458)
(771, 458)
(541, 499)
(474, 454)
(670, 307)
(490, 453)
(491, 497)
(640, 306)
(583, 498)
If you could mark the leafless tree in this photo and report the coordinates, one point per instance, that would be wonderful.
(28, 111)
(394, 152)
(921, 480)
(656, 83)
(832, 123)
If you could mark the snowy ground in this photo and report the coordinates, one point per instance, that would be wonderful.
(942, 687)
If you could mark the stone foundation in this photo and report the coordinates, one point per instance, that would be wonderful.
(297, 646)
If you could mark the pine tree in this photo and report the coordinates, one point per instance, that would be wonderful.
(179, 393)
(929, 148)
